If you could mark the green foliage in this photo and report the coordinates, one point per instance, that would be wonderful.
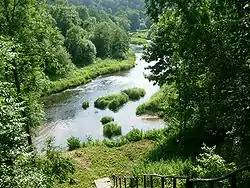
(101, 161)
(140, 37)
(111, 130)
(153, 134)
(135, 93)
(201, 48)
(211, 165)
(54, 165)
(130, 15)
(134, 135)
(73, 143)
(106, 120)
(17, 167)
(159, 103)
(110, 41)
(116, 101)
(85, 105)
(113, 102)
(82, 50)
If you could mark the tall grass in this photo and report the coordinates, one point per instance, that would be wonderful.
(159, 102)
(116, 101)
(113, 102)
(135, 93)
(111, 130)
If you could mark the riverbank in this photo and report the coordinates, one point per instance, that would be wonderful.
(86, 74)
(158, 104)
(139, 37)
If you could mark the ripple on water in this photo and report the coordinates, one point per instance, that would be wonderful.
(65, 116)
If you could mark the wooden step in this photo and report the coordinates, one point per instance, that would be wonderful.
(103, 183)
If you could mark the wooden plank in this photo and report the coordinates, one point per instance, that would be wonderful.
(103, 183)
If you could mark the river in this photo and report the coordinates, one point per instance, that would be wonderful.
(65, 116)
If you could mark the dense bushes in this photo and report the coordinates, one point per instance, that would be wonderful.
(159, 103)
(135, 93)
(57, 168)
(106, 120)
(134, 135)
(111, 130)
(73, 143)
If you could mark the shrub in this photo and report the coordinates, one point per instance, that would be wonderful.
(85, 105)
(153, 134)
(211, 165)
(54, 164)
(134, 135)
(135, 93)
(73, 143)
(111, 130)
(106, 120)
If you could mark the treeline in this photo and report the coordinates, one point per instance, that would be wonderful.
(40, 42)
(130, 14)
(202, 50)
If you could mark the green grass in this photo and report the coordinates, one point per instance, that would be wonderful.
(111, 130)
(159, 102)
(96, 162)
(85, 75)
(106, 120)
(135, 93)
(113, 102)
(139, 37)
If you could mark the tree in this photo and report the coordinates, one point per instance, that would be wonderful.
(102, 40)
(202, 48)
(65, 16)
(16, 168)
(120, 44)
(82, 50)
(28, 49)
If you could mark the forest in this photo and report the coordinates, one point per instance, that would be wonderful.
(202, 67)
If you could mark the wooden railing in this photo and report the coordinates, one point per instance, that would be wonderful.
(155, 180)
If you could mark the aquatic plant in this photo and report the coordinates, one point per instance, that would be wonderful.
(135, 93)
(106, 120)
(113, 102)
(85, 105)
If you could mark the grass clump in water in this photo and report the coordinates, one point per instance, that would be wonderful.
(135, 93)
(113, 102)
(85, 105)
(106, 120)
(111, 130)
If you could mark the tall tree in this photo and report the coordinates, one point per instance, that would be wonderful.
(203, 47)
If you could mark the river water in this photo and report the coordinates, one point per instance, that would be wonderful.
(65, 116)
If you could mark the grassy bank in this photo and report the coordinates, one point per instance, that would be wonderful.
(95, 162)
(139, 37)
(86, 74)
(158, 103)
(137, 153)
